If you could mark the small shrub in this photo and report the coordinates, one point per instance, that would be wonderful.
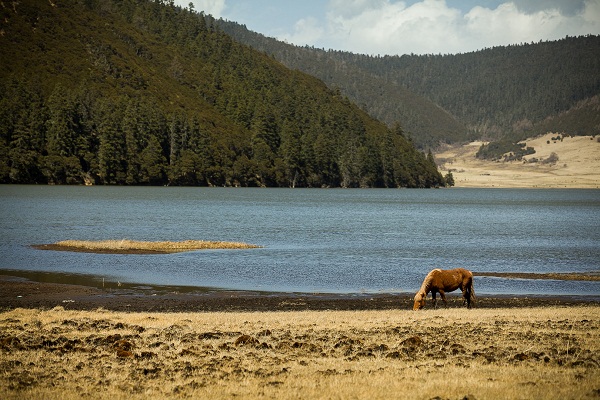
(552, 159)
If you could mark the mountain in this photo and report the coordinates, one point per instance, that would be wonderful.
(507, 92)
(144, 92)
(377, 92)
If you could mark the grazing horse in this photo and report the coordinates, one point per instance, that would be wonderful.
(442, 281)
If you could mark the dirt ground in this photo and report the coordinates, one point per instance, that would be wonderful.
(577, 166)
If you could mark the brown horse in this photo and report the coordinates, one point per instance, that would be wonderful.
(442, 281)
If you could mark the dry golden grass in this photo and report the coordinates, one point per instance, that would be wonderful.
(524, 353)
(132, 246)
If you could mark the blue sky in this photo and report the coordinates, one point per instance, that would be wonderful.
(409, 26)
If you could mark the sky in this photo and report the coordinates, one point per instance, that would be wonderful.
(394, 27)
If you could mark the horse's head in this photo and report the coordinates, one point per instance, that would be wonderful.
(419, 301)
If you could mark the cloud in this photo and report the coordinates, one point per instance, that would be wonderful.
(566, 7)
(509, 24)
(411, 26)
(212, 7)
(431, 26)
(306, 30)
(390, 27)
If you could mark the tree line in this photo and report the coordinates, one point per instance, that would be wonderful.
(77, 136)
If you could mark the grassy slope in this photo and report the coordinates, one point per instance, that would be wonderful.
(577, 167)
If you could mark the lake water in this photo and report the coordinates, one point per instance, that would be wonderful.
(315, 240)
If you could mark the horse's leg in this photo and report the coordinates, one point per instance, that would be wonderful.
(433, 299)
(467, 293)
(471, 294)
(468, 296)
(443, 296)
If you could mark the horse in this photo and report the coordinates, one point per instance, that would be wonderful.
(442, 281)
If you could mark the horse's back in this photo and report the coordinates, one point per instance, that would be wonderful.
(453, 279)
(463, 271)
(465, 274)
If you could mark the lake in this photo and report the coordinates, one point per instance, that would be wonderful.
(314, 240)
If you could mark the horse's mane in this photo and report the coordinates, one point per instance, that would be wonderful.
(427, 281)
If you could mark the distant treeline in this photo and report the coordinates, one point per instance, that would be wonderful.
(133, 92)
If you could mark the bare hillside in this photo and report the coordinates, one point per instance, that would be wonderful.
(576, 165)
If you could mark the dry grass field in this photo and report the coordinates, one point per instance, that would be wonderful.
(577, 166)
(526, 353)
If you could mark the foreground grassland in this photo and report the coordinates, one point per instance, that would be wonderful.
(139, 247)
(528, 353)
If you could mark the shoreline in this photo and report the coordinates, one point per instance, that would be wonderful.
(19, 292)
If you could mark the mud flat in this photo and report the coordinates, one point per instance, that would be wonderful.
(519, 353)
(33, 290)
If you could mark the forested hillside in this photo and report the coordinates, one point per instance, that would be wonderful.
(143, 92)
(383, 97)
(507, 89)
(505, 92)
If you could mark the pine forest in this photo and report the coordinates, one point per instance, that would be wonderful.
(135, 92)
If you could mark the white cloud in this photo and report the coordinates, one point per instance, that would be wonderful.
(506, 24)
(213, 7)
(392, 26)
(410, 26)
(510, 24)
(306, 30)
(431, 26)
(591, 16)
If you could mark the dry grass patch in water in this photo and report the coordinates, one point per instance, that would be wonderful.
(132, 246)
(511, 354)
